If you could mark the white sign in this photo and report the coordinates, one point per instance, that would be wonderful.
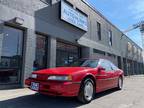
(73, 16)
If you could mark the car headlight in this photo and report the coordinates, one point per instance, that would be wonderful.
(34, 76)
(60, 78)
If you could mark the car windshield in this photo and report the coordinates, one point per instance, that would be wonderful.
(85, 63)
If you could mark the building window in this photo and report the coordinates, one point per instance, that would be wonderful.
(11, 56)
(110, 37)
(66, 54)
(111, 55)
(98, 51)
(135, 50)
(46, 1)
(41, 52)
(99, 30)
(129, 46)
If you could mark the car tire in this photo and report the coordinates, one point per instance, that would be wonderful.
(87, 91)
(120, 83)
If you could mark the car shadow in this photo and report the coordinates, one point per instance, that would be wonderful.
(105, 93)
(39, 101)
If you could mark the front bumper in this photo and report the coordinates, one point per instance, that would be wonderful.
(55, 88)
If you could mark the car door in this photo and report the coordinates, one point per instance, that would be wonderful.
(104, 76)
(111, 75)
(115, 75)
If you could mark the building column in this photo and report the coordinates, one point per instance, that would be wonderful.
(137, 68)
(1, 37)
(86, 52)
(127, 68)
(122, 62)
(138, 71)
(29, 53)
(133, 67)
(52, 52)
(142, 68)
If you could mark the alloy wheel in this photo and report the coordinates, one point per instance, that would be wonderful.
(88, 90)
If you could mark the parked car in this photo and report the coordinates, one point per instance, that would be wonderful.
(83, 79)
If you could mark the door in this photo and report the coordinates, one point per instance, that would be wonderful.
(41, 52)
(104, 78)
(115, 75)
(11, 56)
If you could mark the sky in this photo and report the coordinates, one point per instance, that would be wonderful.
(123, 14)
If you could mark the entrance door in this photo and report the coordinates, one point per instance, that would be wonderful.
(11, 56)
(41, 52)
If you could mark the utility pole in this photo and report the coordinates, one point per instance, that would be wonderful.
(142, 33)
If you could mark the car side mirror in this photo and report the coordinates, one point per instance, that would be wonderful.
(100, 69)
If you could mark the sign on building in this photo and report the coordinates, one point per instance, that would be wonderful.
(73, 16)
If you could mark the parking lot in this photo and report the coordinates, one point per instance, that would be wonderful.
(132, 96)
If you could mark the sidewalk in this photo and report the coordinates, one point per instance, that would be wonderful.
(14, 93)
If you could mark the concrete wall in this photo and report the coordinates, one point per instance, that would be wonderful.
(46, 19)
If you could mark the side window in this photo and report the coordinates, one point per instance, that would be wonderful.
(114, 67)
(94, 64)
(91, 63)
(106, 65)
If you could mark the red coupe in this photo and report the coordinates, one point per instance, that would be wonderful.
(82, 78)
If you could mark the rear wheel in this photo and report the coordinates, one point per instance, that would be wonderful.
(87, 91)
(120, 83)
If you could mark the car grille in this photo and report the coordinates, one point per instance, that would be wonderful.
(42, 77)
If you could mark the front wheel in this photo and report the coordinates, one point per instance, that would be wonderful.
(87, 91)
(120, 83)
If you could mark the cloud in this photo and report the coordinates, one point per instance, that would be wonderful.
(137, 9)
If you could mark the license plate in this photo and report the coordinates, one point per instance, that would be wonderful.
(34, 86)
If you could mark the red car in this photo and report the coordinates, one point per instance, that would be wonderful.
(83, 79)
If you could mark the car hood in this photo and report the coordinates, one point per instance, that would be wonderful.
(62, 70)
